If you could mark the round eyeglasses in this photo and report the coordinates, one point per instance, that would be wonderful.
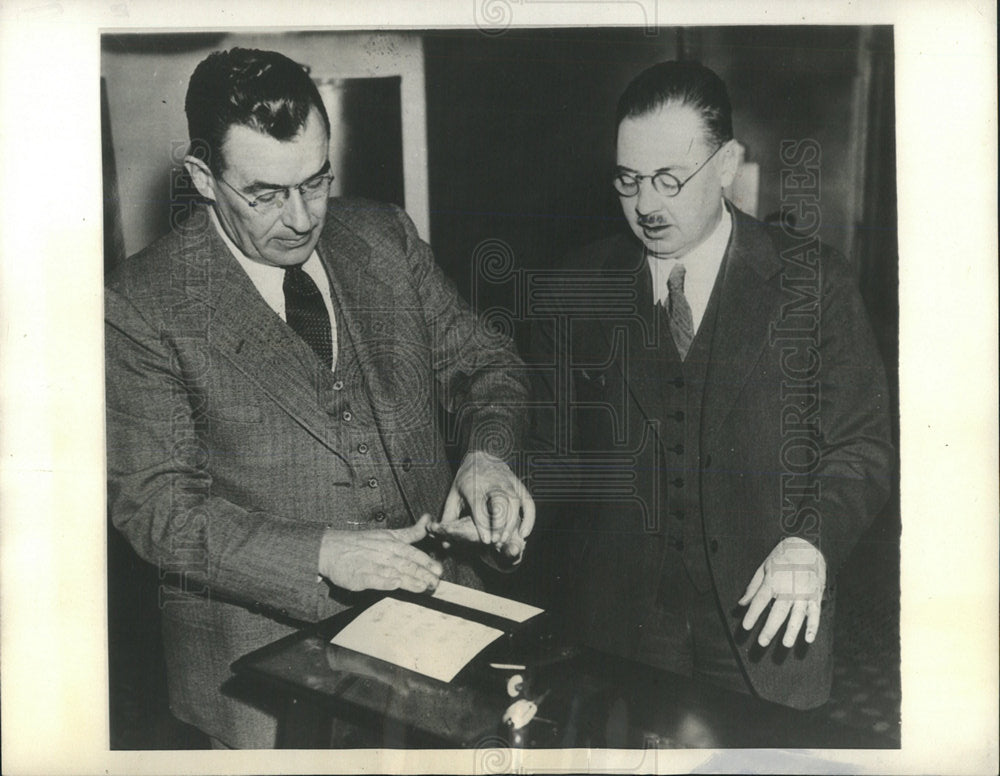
(665, 183)
(272, 200)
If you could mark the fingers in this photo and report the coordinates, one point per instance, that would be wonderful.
(794, 611)
(452, 504)
(379, 560)
(395, 564)
(528, 513)
(513, 509)
(401, 574)
(813, 609)
(482, 517)
(463, 528)
(775, 618)
(758, 604)
(413, 533)
(798, 614)
(499, 502)
(394, 549)
(503, 515)
(514, 548)
(752, 588)
(794, 575)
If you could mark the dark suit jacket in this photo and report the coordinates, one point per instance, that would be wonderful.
(792, 437)
(228, 456)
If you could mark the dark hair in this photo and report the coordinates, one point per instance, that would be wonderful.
(263, 90)
(686, 83)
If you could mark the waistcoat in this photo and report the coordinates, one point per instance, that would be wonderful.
(375, 499)
(683, 384)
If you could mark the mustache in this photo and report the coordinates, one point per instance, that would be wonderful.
(646, 221)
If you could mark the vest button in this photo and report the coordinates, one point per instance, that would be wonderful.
(708, 461)
(338, 385)
(407, 464)
(678, 382)
(678, 514)
(373, 482)
(678, 448)
(677, 482)
(363, 448)
(714, 545)
(347, 415)
(679, 415)
(678, 544)
(380, 517)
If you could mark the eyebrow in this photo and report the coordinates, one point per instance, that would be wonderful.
(622, 168)
(258, 186)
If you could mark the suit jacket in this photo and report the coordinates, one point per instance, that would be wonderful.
(792, 435)
(229, 453)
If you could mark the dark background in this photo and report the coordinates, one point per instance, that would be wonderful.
(520, 148)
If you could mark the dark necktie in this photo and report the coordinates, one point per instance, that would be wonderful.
(306, 313)
(679, 311)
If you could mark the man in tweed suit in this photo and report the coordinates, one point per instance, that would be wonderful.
(274, 369)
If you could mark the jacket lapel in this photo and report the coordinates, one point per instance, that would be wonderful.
(368, 313)
(365, 305)
(749, 302)
(637, 361)
(257, 341)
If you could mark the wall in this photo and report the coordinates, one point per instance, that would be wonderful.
(521, 138)
(147, 77)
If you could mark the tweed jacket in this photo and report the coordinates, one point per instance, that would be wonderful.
(231, 448)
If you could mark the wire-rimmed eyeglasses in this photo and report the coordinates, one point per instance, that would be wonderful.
(317, 187)
(665, 183)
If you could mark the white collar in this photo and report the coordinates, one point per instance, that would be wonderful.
(701, 266)
(268, 279)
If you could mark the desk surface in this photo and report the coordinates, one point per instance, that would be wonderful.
(587, 699)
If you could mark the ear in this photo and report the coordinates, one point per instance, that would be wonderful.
(729, 162)
(201, 176)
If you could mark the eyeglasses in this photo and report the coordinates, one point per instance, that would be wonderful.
(665, 183)
(315, 188)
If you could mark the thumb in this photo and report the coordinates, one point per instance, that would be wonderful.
(452, 505)
(413, 533)
(752, 588)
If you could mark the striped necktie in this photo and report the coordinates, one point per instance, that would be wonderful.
(679, 311)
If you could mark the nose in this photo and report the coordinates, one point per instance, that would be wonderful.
(295, 213)
(646, 199)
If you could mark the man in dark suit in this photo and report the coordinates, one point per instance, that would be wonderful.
(718, 385)
(274, 369)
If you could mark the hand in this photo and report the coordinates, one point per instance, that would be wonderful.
(794, 575)
(379, 560)
(502, 509)
(464, 530)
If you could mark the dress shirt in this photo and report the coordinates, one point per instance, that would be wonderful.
(701, 266)
(269, 280)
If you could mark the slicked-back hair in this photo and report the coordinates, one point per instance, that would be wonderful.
(263, 90)
(682, 83)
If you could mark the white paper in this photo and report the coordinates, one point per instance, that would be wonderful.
(424, 640)
(485, 602)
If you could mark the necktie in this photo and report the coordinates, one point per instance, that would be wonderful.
(306, 313)
(679, 311)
